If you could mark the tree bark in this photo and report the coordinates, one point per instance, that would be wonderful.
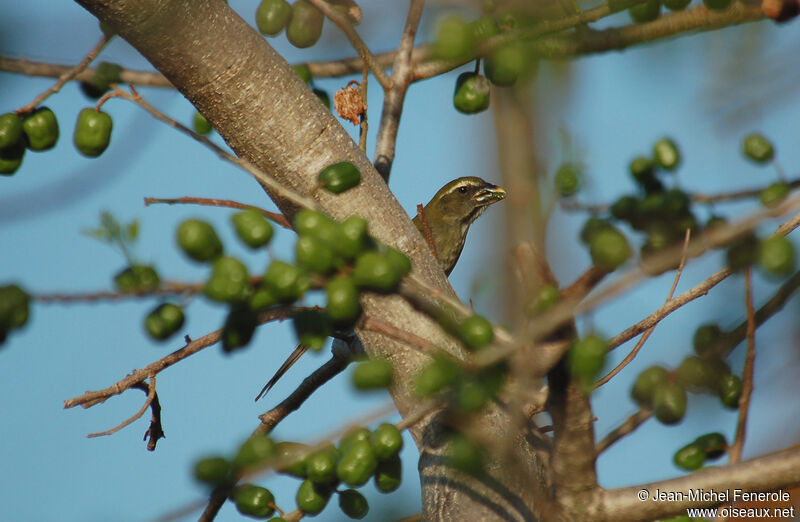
(268, 116)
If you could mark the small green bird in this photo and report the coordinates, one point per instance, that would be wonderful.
(448, 215)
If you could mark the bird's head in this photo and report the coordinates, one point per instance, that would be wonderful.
(463, 200)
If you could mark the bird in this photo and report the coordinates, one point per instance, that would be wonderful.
(447, 218)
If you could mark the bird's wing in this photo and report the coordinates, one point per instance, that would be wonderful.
(293, 358)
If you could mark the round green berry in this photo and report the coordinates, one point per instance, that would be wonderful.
(776, 256)
(758, 148)
(163, 321)
(374, 271)
(729, 390)
(506, 64)
(342, 305)
(609, 248)
(666, 154)
(389, 474)
(773, 195)
(254, 501)
(92, 132)
(11, 158)
(386, 441)
(137, 278)
(357, 464)
(14, 307)
(586, 358)
(305, 25)
(645, 12)
(454, 38)
(353, 504)
(705, 338)
(646, 384)
(471, 94)
(272, 16)
(321, 466)
(312, 498)
(438, 374)
(290, 458)
(10, 130)
(312, 328)
(669, 403)
(690, 457)
(476, 332)
(228, 281)
(255, 451)
(240, 324)
(287, 282)
(41, 129)
(339, 177)
(200, 124)
(464, 455)
(212, 470)
(373, 374)
(198, 240)
(567, 180)
(252, 228)
(714, 444)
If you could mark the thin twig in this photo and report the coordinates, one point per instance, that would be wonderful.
(411, 340)
(67, 75)
(343, 22)
(626, 428)
(402, 77)
(260, 175)
(628, 358)
(92, 398)
(426, 229)
(213, 202)
(747, 374)
(151, 393)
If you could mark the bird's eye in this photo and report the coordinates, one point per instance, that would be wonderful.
(462, 190)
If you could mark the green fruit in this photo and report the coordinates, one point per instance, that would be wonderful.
(625, 208)
(305, 25)
(352, 237)
(645, 12)
(321, 466)
(586, 358)
(717, 5)
(705, 338)
(758, 148)
(609, 248)
(198, 240)
(254, 501)
(106, 74)
(483, 28)
(357, 464)
(454, 38)
(776, 256)
(729, 390)
(464, 455)
(386, 441)
(238, 328)
(312, 328)
(353, 435)
(471, 94)
(666, 154)
(10, 130)
(137, 278)
(646, 384)
(228, 281)
(401, 263)
(545, 299)
(342, 301)
(262, 298)
(212, 470)
(376, 272)
(389, 474)
(316, 224)
(312, 498)
(339, 177)
(642, 169)
(507, 63)
(669, 403)
(41, 129)
(676, 203)
(252, 228)
(323, 97)
(200, 124)
(471, 395)
(773, 195)
(303, 72)
(475, 332)
(290, 458)
(314, 255)
(163, 321)
(14, 307)
(272, 16)
(92, 132)
(592, 226)
(690, 457)
(90, 91)
(697, 374)
(676, 5)
(713, 444)
(287, 282)
(742, 252)
(255, 451)
(567, 180)
(373, 374)
(11, 158)
(438, 374)
(353, 504)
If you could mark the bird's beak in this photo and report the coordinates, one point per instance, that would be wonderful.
(489, 194)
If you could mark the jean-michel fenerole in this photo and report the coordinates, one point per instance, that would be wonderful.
(713, 495)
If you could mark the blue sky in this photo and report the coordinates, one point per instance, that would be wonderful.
(618, 105)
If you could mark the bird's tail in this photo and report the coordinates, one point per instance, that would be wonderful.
(293, 358)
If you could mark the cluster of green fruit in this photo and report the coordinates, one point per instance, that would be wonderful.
(361, 454)
(14, 309)
(37, 131)
(650, 10)
(694, 455)
(706, 372)
(457, 39)
(302, 21)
